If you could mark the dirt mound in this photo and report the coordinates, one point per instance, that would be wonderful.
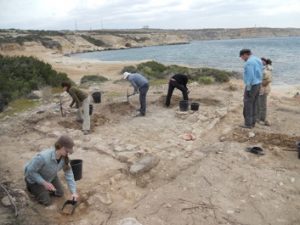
(70, 124)
(268, 139)
(96, 120)
(120, 107)
(175, 101)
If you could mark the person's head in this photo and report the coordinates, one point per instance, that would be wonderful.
(266, 61)
(245, 54)
(66, 85)
(64, 145)
(125, 75)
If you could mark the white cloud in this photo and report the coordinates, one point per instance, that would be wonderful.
(62, 14)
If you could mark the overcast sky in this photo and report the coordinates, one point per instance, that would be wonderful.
(109, 14)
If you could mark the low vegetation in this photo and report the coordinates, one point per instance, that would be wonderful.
(94, 41)
(45, 41)
(157, 71)
(93, 79)
(20, 75)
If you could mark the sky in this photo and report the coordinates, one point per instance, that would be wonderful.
(165, 14)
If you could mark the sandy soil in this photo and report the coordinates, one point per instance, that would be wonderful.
(210, 180)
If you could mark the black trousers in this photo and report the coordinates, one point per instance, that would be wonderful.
(143, 94)
(172, 85)
(250, 104)
(41, 194)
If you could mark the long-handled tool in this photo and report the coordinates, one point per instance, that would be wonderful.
(129, 95)
(61, 107)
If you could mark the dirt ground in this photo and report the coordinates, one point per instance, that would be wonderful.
(210, 180)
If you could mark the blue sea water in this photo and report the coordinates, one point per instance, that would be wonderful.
(222, 54)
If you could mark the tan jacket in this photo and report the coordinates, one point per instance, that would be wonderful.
(267, 79)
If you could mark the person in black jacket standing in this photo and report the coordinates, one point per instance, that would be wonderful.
(178, 81)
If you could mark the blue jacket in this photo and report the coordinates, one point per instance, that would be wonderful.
(44, 167)
(253, 72)
(137, 80)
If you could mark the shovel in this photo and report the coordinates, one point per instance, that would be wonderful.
(69, 207)
(129, 95)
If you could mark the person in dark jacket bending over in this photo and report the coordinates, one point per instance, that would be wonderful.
(82, 102)
(140, 85)
(178, 81)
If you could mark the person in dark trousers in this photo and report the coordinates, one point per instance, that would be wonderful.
(178, 81)
(140, 85)
(41, 172)
(82, 102)
(253, 73)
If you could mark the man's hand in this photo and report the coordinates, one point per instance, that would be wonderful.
(74, 196)
(49, 186)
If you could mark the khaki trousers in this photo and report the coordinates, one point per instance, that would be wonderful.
(83, 114)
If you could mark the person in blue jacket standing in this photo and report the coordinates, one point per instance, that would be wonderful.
(253, 73)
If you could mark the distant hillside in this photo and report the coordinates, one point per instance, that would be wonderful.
(216, 34)
(68, 42)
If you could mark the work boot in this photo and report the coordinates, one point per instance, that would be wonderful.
(267, 123)
(246, 127)
(140, 115)
(86, 132)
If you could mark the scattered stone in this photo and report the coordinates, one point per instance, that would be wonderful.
(251, 135)
(6, 202)
(213, 124)
(222, 112)
(188, 137)
(130, 147)
(118, 149)
(222, 139)
(292, 179)
(230, 211)
(105, 198)
(129, 221)
(34, 95)
(142, 181)
(281, 184)
(145, 164)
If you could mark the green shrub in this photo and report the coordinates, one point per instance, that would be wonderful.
(94, 41)
(19, 75)
(130, 69)
(205, 80)
(157, 71)
(93, 79)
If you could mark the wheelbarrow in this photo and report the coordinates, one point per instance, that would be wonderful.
(69, 207)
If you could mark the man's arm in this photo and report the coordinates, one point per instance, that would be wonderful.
(248, 76)
(75, 99)
(136, 89)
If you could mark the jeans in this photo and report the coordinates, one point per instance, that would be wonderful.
(250, 105)
(172, 85)
(41, 194)
(262, 107)
(143, 93)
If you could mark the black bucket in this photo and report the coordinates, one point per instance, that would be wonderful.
(195, 106)
(298, 148)
(91, 110)
(97, 97)
(76, 165)
(184, 105)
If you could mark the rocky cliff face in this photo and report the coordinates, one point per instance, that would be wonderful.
(74, 42)
(68, 42)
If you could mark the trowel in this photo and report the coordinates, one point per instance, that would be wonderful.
(69, 207)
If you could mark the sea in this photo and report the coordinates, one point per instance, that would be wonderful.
(222, 54)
